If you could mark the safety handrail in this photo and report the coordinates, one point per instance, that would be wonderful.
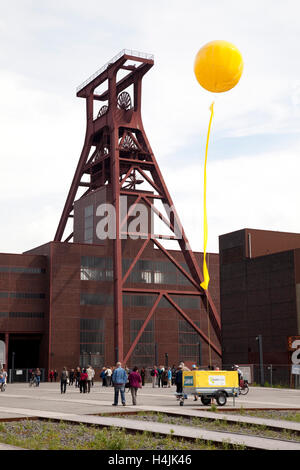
(142, 55)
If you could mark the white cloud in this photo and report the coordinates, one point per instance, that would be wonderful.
(48, 48)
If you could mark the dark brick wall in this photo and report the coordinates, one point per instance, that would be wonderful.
(258, 296)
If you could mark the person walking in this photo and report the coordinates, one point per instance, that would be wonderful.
(51, 375)
(93, 376)
(55, 374)
(119, 379)
(38, 376)
(63, 380)
(135, 382)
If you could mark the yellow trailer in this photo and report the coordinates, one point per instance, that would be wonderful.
(208, 384)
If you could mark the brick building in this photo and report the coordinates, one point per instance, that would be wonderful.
(259, 295)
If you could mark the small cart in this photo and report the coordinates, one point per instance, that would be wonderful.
(208, 384)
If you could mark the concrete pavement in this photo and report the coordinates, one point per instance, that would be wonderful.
(46, 401)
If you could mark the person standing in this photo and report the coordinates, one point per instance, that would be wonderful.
(77, 376)
(169, 372)
(159, 376)
(71, 381)
(63, 380)
(89, 372)
(108, 374)
(119, 379)
(55, 374)
(154, 374)
(51, 375)
(135, 382)
(178, 381)
(83, 381)
(103, 376)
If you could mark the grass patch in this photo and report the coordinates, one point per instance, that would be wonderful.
(221, 425)
(48, 435)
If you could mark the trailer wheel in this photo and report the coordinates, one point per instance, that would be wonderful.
(205, 401)
(221, 398)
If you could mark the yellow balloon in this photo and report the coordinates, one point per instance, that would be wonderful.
(218, 66)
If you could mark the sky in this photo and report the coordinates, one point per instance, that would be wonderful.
(49, 47)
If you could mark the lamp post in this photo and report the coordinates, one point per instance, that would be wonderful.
(200, 353)
(12, 365)
(261, 359)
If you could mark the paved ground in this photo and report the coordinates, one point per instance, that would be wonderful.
(46, 401)
(47, 397)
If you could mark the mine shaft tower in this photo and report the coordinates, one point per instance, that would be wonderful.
(116, 153)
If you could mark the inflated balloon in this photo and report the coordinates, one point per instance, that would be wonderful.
(218, 66)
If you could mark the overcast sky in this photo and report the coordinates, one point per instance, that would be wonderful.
(48, 47)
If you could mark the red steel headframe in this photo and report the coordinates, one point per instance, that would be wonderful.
(123, 152)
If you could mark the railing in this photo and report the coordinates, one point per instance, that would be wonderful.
(23, 375)
(270, 375)
(142, 55)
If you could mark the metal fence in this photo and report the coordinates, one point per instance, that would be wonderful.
(23, 375)
(270, 375)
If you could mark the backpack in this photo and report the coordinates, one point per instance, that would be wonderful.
(152, 373)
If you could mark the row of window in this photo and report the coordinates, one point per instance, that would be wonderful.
(22, 315)
(21, 295)
(21, 270)
(129, 300)
(145, 271)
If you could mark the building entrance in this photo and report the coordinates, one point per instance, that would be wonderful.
(24, 351)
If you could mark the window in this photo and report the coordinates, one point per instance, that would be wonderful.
(92, 342)
(96, 269)
(144, 352)
(88, 224)
(156, 272)
(21, 270)
(189, 341)
(96, 299)
(26, 295)
(141, 300)
(26, 315)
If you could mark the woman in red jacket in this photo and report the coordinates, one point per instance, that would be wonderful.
(135, 382)
(83, 381)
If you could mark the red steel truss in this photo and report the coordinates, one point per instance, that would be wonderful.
(122, 158)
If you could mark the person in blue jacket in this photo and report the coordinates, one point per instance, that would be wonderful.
(119, 379)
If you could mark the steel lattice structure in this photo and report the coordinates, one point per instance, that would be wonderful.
(116, 152)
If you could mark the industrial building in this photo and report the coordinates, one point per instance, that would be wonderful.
(106, 288)
(260, 296)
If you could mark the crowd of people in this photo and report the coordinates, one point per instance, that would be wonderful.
(117, 377)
